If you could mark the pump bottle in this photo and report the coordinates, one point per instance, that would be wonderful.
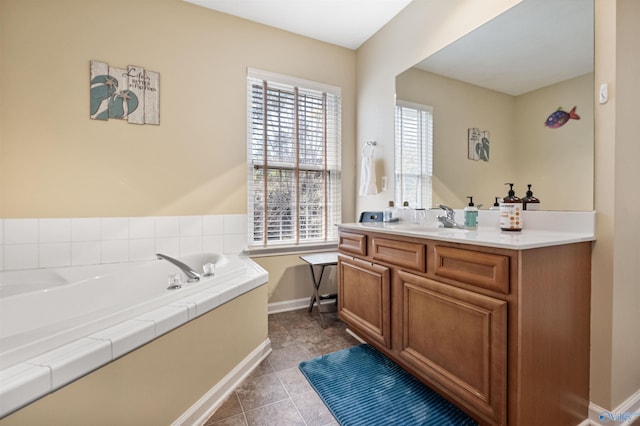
(470, 215)
(511, 211)
(496, 205)
(530, 202)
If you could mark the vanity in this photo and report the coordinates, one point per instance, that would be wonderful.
(496, 322)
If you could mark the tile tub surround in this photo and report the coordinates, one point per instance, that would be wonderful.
(33, 378)
(58, 242)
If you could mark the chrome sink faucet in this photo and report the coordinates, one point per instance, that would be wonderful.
(448, 220)
(192, 276)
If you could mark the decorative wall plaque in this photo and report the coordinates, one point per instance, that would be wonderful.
(131, 94)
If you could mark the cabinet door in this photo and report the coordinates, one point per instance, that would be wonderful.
(455, 339)
(364, 292)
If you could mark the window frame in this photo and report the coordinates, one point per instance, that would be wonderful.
(329, 168)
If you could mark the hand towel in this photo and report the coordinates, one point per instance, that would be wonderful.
(368, 184)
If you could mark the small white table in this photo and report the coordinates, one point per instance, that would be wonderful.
(321, 260)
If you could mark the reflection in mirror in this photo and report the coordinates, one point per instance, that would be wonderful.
(504, 80)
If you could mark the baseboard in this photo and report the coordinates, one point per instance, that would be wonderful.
(623, 415)
(199, 412)
(292, 305)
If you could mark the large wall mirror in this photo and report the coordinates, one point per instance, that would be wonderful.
(505, 79)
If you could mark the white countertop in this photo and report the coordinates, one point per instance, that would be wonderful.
(546, 229)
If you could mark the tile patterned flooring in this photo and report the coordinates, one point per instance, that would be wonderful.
(276, 392)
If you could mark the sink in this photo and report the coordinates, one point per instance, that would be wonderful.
(431, 230)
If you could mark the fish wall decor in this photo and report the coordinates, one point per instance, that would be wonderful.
(560, 117)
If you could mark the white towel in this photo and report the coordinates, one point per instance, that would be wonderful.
(368, 184)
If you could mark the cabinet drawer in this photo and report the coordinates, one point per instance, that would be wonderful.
(486, 270)
(400, 253)
(353, 243)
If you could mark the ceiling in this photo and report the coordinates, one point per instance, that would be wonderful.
(346, 23)
(528, 47)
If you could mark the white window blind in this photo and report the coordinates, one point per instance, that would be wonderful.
(413, 154)
(294, 180)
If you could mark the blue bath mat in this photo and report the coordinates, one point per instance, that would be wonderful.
(363, 387)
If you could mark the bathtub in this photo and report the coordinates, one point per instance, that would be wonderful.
(57, 325)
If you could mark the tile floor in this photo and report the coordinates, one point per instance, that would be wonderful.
(276, 393)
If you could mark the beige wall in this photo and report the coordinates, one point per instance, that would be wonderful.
(157, 383)
(56, 162)
(557, 162)
(615, 372)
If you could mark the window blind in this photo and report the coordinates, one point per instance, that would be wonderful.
(413, 154)
(294, 165)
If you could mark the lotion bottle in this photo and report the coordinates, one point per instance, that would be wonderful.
(511, 211)
(530, 202)
(470, 215)
(390, 213)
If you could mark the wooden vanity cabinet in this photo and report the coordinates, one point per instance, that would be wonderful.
(503, 334)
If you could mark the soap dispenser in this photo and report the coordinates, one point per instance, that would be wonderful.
(530, 202)
(390, 214)
(470, 215)
(496, 205)
(511, 211)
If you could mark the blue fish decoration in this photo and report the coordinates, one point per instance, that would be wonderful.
(559, 118)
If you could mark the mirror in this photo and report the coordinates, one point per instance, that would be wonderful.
(506, 78)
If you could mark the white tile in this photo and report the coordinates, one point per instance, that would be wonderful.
(114, 251)
(54, 255)
(85, 253)
(142, 249)
(74, 360)
(54, 230)
(190, 306)
(142, 227)
(213, 225)
(190, 226)
(1, 231)
(20, 256)
(235, 224)
(166, 318)
(167, 226)
(190, 245)
(85, 229)
(1, 257)
(126, 336)
(20, 231)
(168, 246)
(21, 384)
(234, 243)
(213, 244)
(114, 228)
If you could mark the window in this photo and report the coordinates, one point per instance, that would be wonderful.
(294, 146)
(413, 154)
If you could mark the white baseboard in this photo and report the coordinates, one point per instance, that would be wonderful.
(623, 415)
(199, 412)
(292, 305)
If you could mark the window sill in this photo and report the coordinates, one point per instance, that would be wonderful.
(289, 250)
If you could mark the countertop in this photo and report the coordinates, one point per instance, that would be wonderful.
(491, 236)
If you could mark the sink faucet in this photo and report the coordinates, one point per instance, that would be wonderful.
(192, 275)
(448, 220)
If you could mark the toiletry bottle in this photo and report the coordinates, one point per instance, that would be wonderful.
(511, 211)
(471, 215)
(530, 202)
(405, 212)
(496, 205)
(389, 214)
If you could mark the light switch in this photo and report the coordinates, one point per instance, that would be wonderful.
(604, 93)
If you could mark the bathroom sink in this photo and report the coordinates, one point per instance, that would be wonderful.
(431, 230)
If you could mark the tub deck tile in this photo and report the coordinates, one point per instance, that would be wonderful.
(21, 384)
(126, 336)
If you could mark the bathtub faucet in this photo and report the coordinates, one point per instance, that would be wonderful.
(192, 275)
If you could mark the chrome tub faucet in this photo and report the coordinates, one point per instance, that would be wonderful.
(192, 276)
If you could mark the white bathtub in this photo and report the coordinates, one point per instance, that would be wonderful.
(57, 325)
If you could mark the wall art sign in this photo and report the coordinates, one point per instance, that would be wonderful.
(478, 144)
(131, 93)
